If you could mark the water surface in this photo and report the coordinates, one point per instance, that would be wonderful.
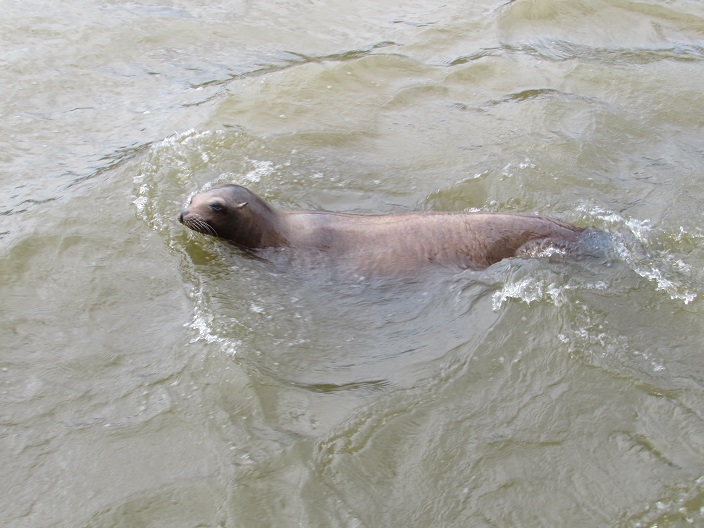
(152, 376)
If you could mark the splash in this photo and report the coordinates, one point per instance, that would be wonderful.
(202, 325)
(636, 243)
(261, 169)
(528, 290)
(172, 171)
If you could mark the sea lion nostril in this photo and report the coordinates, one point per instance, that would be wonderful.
(182, 215)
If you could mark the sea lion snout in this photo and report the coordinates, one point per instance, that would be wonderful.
(196, 222)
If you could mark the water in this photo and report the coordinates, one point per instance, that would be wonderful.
(155, 377)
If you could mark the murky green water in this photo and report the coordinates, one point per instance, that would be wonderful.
(151, 376)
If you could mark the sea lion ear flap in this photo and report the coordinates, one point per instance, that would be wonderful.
(240, 206)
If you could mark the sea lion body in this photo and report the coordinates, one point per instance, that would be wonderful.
(394, 244)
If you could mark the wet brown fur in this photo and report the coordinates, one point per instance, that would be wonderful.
(374, 244)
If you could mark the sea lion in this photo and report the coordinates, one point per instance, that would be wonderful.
(393, 244)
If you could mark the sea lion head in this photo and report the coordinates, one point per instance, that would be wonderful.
(236, 214)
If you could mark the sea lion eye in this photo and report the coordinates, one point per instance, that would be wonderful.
(217, 207)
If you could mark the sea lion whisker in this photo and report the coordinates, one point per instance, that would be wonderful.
(197, 224)
(210, 229)
(204, 227)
